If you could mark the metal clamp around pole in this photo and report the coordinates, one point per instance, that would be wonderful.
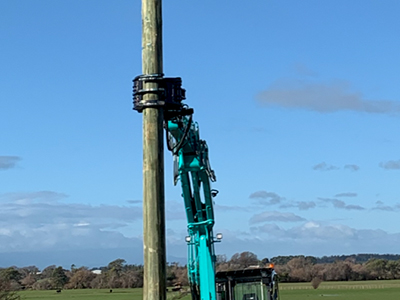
(169, 92)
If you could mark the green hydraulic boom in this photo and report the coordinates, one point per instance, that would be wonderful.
(192, 168)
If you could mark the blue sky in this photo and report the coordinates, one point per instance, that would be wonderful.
(297, 100)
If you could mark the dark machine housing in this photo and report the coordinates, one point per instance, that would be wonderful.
(247, 284)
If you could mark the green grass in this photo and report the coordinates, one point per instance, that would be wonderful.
(349, 290)
(87, 294)
(360, 290)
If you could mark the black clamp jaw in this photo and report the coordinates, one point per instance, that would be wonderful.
(169, 93)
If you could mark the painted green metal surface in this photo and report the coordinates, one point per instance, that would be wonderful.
(193, 170)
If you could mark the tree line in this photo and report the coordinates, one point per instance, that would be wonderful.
(119, 274)
(306, 268)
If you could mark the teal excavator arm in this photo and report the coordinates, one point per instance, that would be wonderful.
(192, 168)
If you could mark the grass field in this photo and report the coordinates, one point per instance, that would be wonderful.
(351, 290)
(362, 290)
(87, 294)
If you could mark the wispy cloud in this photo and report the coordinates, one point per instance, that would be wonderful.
(135, 201)
(303, 70)
(268, 198)
(271, 198)
(390, 165)
(175, 210)
(274, 216)
(311, 230)
(346, 195)
(381, 206)
(33, 197)
(302, 205)
(353, 168)
(310, 237)
(341, 204)
(229, 208)
(323, 97)
(324, 167)
(8, 162)
(39, 220)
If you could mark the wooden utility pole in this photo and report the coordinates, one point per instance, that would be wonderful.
(153, 157)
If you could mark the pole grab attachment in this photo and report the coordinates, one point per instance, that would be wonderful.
(168, 90)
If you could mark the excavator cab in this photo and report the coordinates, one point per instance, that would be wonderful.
(247, 284)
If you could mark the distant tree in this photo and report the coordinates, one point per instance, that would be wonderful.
(315, 282)
(357, 258)
(300, 269)
(393, 269)
(73, 269)
(221, 263)
(10, 274)
(5, 291)
(317, 270)
(28, 281)
(116, 266)
(283, 272)
(359, 272)
(377, 267)
(81, 279)
(338, 271)
(265, 261)
(182, 276)
(221, 259)
(30, 270)
(43, 284)
(59, 278)
(281, 260)
(171, 273)
(311, 259)
(7, 295)
(114, 272)
(100, 282)
(47, 272)
(243, 260)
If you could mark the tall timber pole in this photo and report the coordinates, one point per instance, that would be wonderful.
(153, 157)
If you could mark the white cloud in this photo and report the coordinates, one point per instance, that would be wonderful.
(324, 167)
(268, 198)
(304, 205)
(390, 165)
(301, 205)
(134, 201)
(332, 234)
(175, 210)
(230, 208)
(40, 226)
(8, 162)
(302, 69)
(381, 206)
(323, 97)
(353, 168)
(309, 238)
(347, 194)
(274, 216)
(42, 222)
(32, 197)
(341, 204)
(33, 221)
